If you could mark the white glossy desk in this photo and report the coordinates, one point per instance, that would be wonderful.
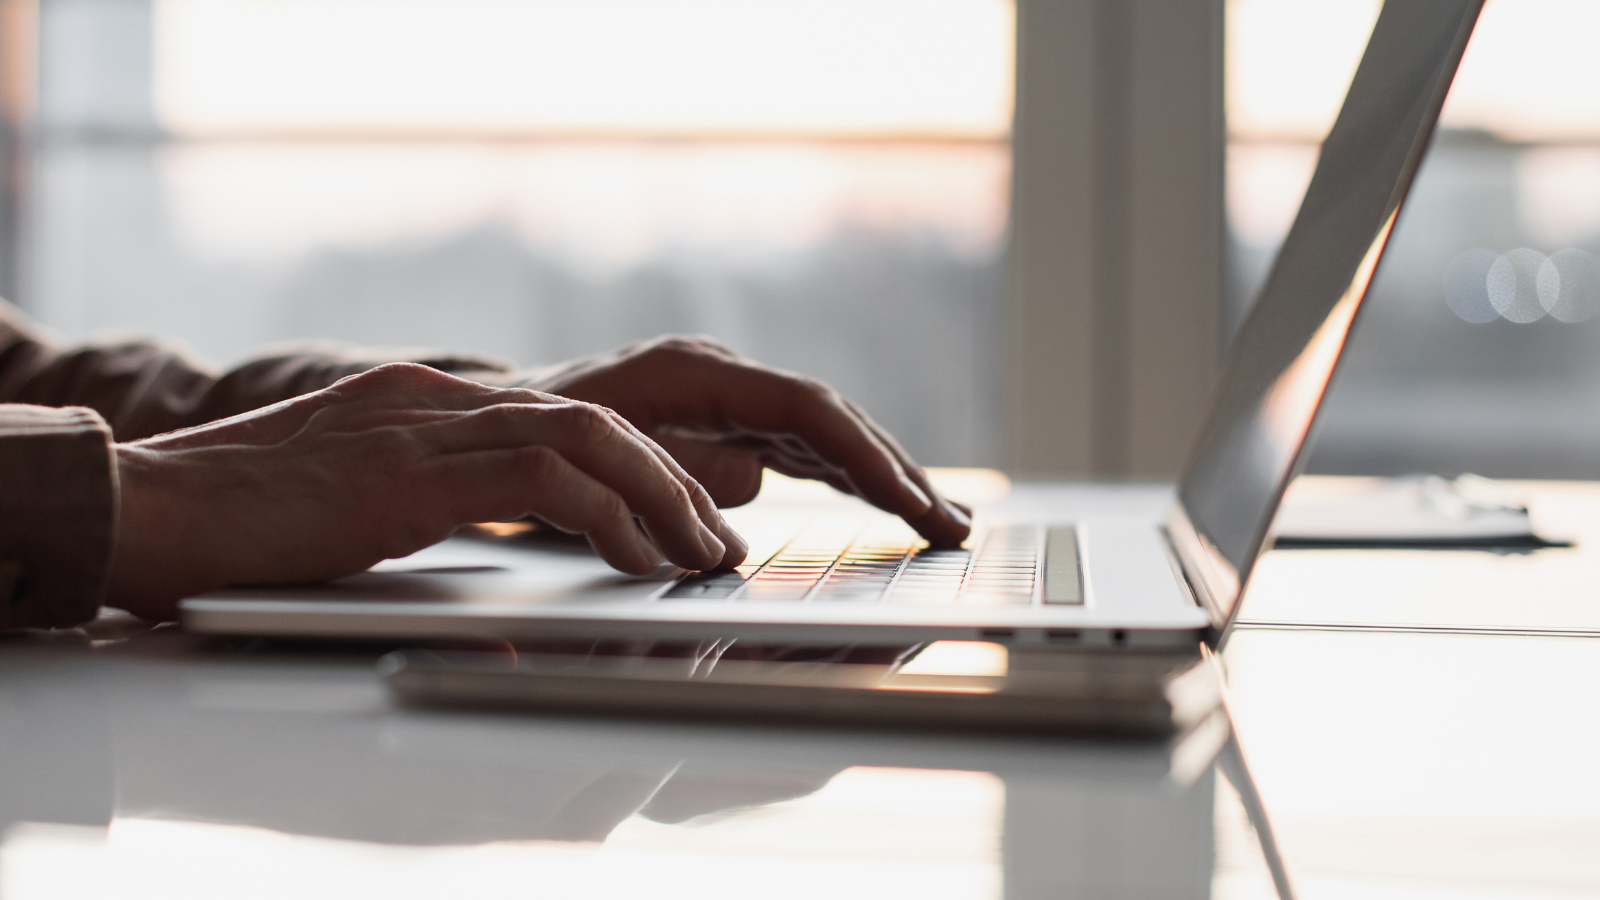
(1393, 765)
(1459, 763)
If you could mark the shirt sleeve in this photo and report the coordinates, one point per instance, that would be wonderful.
(62, 407)
(58, 501)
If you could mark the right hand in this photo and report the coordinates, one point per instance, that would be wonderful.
(383, 464)
(724, 418)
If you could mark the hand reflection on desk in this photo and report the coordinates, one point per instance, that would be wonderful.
(265, 745)
(308, 745)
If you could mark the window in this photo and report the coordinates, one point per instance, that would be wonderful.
(823, 184)
(1479, 348)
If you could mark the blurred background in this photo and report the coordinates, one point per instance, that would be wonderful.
(1456, 365)
(826, 185)
(821, 184)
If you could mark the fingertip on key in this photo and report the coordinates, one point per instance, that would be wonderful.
(949, 527)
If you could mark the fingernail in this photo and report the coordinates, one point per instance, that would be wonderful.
(917, 492)
(714, 546)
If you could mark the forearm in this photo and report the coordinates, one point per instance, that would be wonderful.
(61, 410)
(142, 388)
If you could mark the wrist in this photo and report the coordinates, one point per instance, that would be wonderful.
(156, 559)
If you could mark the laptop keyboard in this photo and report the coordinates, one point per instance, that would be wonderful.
(852, 561)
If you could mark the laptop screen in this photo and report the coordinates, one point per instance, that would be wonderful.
(1254, 435)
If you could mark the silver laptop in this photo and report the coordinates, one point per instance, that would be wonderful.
(1111, 581)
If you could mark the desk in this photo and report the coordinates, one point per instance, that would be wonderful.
(1408, 746)
(145, 763)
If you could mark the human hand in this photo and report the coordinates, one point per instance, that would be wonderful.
(724, 417)
(385, 463)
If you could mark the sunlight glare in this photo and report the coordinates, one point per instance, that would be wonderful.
(1529, 74)
(940, 68)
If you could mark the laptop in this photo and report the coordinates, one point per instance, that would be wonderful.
(1090, 581)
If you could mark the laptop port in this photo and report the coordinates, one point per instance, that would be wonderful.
(1119, 637)
(1001, 635)
(1063, 635)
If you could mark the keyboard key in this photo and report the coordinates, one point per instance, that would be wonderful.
(705, 586)
(775, 593)
(899, 598)
(989, 598)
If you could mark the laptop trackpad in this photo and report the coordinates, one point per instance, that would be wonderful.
(521, 573)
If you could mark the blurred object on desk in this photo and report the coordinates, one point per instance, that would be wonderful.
(1412, 512)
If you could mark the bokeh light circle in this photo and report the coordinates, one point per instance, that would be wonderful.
(1513, 285)
(1466, 286)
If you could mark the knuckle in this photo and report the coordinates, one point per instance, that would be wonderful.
(696, 494)
(591, 423)
(677, 343)
(501, 416)
(389, 451)
(397, 376)
(681, 347)
(812, 390)
(309, 405)
(541, 464)
(524, 396)
(679, 496)
(611, 508)
(707, 342)
(398, 372)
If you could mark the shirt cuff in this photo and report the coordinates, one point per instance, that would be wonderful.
(58, 510)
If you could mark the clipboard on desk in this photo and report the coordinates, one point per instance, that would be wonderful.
(1417, 512)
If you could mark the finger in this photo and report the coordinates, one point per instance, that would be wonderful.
(694, 388)
(861, 452)
(780, 453)
(591, 439)
(785, 464)
(734, 546)
(772, 402)
(730, 474)
(497, 484)
(945, 524)
(940, 522)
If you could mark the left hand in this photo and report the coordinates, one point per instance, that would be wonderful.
(723, 418)
(382, 464)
